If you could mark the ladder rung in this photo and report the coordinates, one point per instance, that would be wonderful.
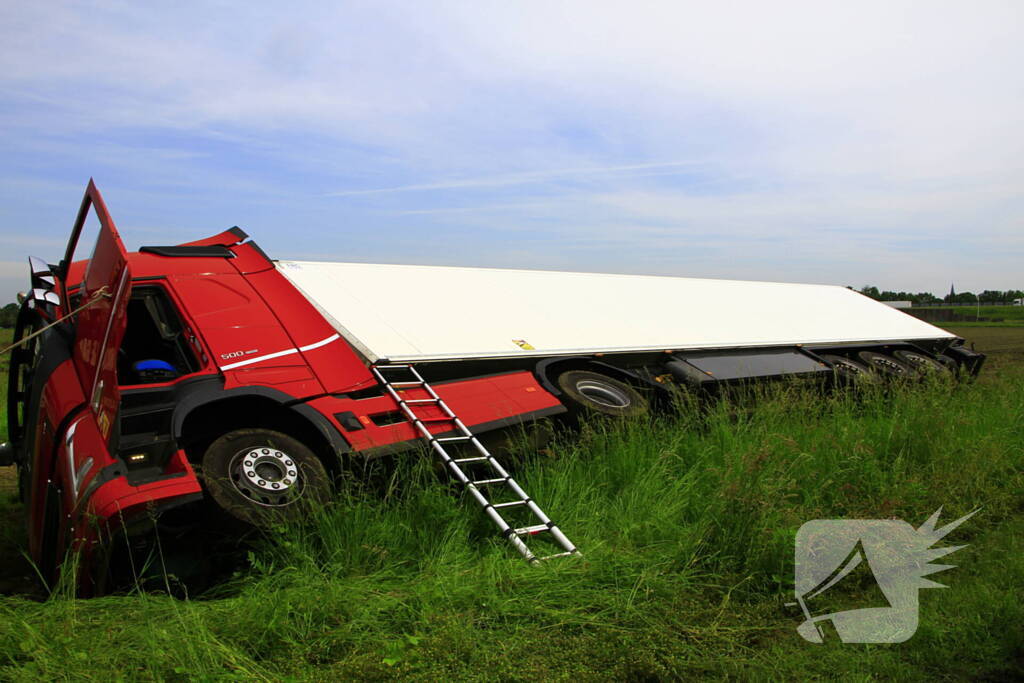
(395, 390)
(565, 554)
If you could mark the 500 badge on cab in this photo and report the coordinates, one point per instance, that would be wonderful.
(236, 354)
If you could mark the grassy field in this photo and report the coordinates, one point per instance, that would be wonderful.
(686, 523)
(1004, 347)
(1010, 315)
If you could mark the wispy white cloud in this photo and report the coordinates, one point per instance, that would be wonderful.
(521, 178)
(810, 140)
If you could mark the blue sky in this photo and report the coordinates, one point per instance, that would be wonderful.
(844, 143)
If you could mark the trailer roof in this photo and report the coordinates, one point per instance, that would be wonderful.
(424, 313)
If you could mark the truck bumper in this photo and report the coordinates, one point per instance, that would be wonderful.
(116, 510)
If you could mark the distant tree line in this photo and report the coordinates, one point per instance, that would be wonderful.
(988, 296)
(8, 315)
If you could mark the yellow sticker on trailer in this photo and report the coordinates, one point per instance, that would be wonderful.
(523, 344)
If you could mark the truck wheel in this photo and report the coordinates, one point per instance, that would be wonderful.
(599, 393)
(847, 369)
(924, 365)
(260, 476)
(19, 377)
(886, 365)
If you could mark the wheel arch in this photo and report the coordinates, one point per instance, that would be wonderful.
(547, 372)
(203, 416)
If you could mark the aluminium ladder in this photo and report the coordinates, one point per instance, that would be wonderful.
(496, 478)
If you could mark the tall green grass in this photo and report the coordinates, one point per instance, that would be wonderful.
(686, 523)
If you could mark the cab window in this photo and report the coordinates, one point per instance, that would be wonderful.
(154, 348)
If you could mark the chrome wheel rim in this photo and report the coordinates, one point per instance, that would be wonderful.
(603, 394)
(267, 476)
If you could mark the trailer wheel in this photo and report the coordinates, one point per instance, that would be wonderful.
(260, 476)
(924, 365)
(886, 365)
(848, 369)
(599, 393)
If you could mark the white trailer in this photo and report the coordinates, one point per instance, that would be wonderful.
(410, 313)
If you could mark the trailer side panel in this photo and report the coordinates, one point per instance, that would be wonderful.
(421, 313)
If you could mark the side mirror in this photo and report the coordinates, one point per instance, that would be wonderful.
(41, 273)
(45, 296)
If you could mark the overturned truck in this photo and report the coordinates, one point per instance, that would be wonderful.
(160, 388)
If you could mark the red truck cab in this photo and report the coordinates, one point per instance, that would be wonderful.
(179, 383)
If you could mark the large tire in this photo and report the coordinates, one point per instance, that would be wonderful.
(886, 365)
(263, 477)
(848, 370)
(925, 366)
(19, 377)
(593, 392)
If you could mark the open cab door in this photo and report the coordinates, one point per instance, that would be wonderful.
(102, 303)
(78, 394)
